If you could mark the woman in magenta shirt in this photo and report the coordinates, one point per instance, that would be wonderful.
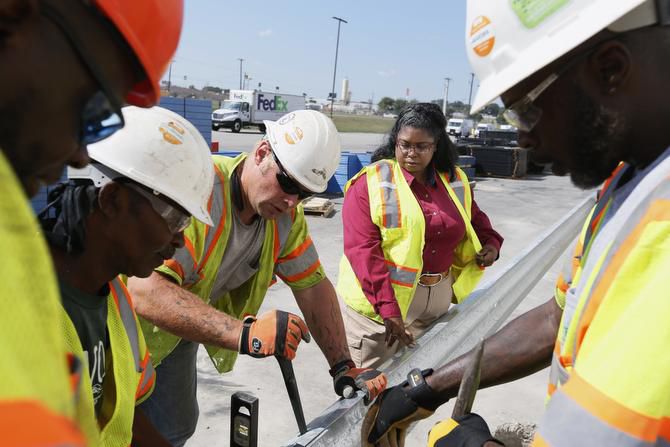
(419, 143)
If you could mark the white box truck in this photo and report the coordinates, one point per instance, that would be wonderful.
(460, 126)
(251, 107)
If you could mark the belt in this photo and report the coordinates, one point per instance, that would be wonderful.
(432, 279)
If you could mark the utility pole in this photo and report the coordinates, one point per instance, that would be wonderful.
(170, 75)
(241, 60)
(472, 81)
(445, 100)
(337, 47)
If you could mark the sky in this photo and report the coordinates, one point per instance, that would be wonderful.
(385, 48)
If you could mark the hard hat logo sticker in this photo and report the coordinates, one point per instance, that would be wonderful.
(172, 132)
(320, 172)
(482, 36)
(286, 118)
(292, 137)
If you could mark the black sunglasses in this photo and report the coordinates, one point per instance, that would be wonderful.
(101, 115)
(287, 184)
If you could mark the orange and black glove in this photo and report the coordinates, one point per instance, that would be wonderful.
(370, 381)
(274, 333)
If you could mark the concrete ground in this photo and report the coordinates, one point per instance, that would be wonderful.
(519, 209)
(355, 142)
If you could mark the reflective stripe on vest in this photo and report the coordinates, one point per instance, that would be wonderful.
(391, 213)
(575, 425)
(618, 385)
(299, 262)
(123, 302)
(402, 276)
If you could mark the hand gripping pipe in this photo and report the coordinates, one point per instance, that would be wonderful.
(457, 332)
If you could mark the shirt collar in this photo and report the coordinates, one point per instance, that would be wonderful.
(431, 178)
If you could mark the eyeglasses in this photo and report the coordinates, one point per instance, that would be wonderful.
(101, 115)
(287, 184)
(419, 148)
(524, 114)
(176, 220)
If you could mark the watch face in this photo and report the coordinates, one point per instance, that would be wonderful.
(415, 378)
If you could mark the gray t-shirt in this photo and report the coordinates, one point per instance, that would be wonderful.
(88, 314)
(241, 256)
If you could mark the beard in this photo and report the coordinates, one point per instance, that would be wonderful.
(597, 142)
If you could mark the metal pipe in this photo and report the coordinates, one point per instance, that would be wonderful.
(457, 332)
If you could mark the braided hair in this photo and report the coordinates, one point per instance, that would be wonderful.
(429, 117)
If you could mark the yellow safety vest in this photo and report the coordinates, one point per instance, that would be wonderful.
(196, 266)
(132, 377)
(397, 213)
(36, 396)
(612, 361)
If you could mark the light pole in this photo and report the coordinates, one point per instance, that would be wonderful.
(472, 81)
(337, 47)
(446, 96)
(170, 75)
(241, 60)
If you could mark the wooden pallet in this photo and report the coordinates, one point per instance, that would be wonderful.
(319, 206)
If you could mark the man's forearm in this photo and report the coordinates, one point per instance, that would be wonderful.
(180, 312)
(522, 347)
(322, 314)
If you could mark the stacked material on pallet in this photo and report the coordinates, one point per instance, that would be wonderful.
(467, 163)
(319, 206)
(500, 160)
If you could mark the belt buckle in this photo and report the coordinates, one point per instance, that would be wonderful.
(431, 275)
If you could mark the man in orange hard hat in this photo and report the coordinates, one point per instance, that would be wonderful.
(98, 55)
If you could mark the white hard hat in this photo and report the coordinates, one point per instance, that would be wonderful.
(508, 41)
(307, 145)
(164, 152)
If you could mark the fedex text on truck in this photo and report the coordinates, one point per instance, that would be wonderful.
(276, 104)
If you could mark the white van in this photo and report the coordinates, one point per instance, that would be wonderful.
(460, 126)
(483, 127)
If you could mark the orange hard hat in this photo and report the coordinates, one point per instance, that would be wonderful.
(152, 29)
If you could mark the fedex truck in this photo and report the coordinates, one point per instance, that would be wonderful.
(251, 107)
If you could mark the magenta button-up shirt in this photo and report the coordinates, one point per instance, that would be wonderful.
(444, 230)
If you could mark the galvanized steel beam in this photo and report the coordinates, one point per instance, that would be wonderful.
(457, 332)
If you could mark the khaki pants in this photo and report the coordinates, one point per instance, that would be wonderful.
(366, 337)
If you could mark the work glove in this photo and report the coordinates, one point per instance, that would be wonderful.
(395, 410)
(370, 381)
(273, 333)
(469, 430)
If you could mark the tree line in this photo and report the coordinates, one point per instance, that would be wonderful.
(390, 105)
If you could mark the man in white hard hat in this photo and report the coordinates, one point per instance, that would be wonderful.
(211, 290)
(585, 82)
(124, 214)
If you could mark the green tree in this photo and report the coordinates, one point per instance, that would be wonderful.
(492, 109)
(212, 89)
(399, 104)
(386, 104)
